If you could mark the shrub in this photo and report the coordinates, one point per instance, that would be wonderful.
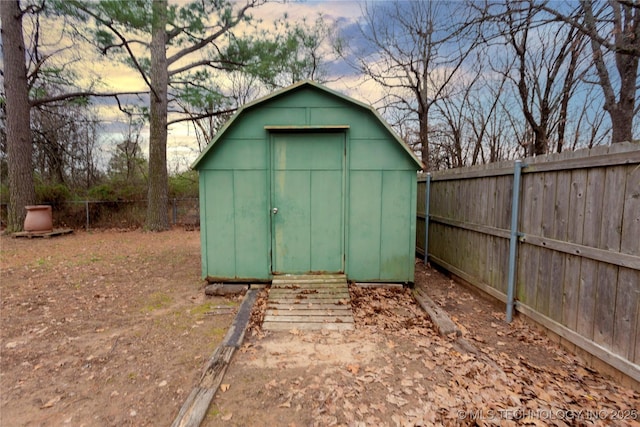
(52, 194)
(184, 185)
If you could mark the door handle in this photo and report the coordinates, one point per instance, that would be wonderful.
(274, 210)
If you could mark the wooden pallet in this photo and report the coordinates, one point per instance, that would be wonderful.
(46, 235)
(309, 303)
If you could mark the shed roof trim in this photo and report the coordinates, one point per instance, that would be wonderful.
(295, 86)
(304, 127)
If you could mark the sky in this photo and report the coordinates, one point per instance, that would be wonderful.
(342, 16)
(181, 145)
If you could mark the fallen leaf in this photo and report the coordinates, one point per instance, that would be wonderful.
(396, 400)
(286, 404)
(428, 364)
(226, 417)
(51, 402)
(224, 387)
(353, 369)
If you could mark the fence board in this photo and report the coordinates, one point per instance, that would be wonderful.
(574, 235)
(627, 321)
(625, 325)
(558, 260)
(636, 357)
(546, 281)
(504, 185)
(605, 309)
(531, 223)
(578, 256)
(591, 237)
(488, 189)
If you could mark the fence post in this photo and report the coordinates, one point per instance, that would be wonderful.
(86, 208)
(427, 196)
(513, 241)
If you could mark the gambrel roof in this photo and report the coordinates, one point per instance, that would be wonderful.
(297, 87)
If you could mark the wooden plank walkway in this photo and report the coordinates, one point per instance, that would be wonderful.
(309, 303)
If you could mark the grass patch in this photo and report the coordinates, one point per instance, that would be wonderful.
(202, 309)
(43, 263)
(213, 412)
(210, 306)
(156, 301)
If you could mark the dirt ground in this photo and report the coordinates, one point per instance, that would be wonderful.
(106, 328)
(113, 329)
(394, 370)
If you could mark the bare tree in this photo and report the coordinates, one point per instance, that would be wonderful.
(626, 35)
(482, 115)
(65, 140)
(456, 140)
(25, 70)
(613, 30)
(417, 50)
(545, 57)
(19, 146)
(127, 166)
(176, 50)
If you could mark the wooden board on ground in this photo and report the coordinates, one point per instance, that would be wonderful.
(310, 312)
(307, 285)
(299, 306)
(309, 303)
(288, 326)
(306, 318)
(54, 233)
(308, 291)
(309, 296)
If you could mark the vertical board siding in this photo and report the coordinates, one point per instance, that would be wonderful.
(220, 234)
(251, 222)
(395, 215)
(364, 224)
(237, 228)
(588, 198)
(380, 225)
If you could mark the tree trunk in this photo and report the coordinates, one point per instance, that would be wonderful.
(424, 137)
(621, 124)
(625, 36)
(622, 112)
(19, 145)
(157, 210)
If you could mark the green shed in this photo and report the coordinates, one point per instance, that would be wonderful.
(307, 180)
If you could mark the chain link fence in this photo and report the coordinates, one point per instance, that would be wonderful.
(126, 214)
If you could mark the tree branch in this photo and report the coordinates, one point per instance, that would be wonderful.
(204, 62)
(202, 116)
(202, 43)
(82, 94)
(124, 41)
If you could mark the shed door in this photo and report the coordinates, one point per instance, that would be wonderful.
(307, 202)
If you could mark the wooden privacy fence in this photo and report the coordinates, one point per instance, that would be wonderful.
(576, 242)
